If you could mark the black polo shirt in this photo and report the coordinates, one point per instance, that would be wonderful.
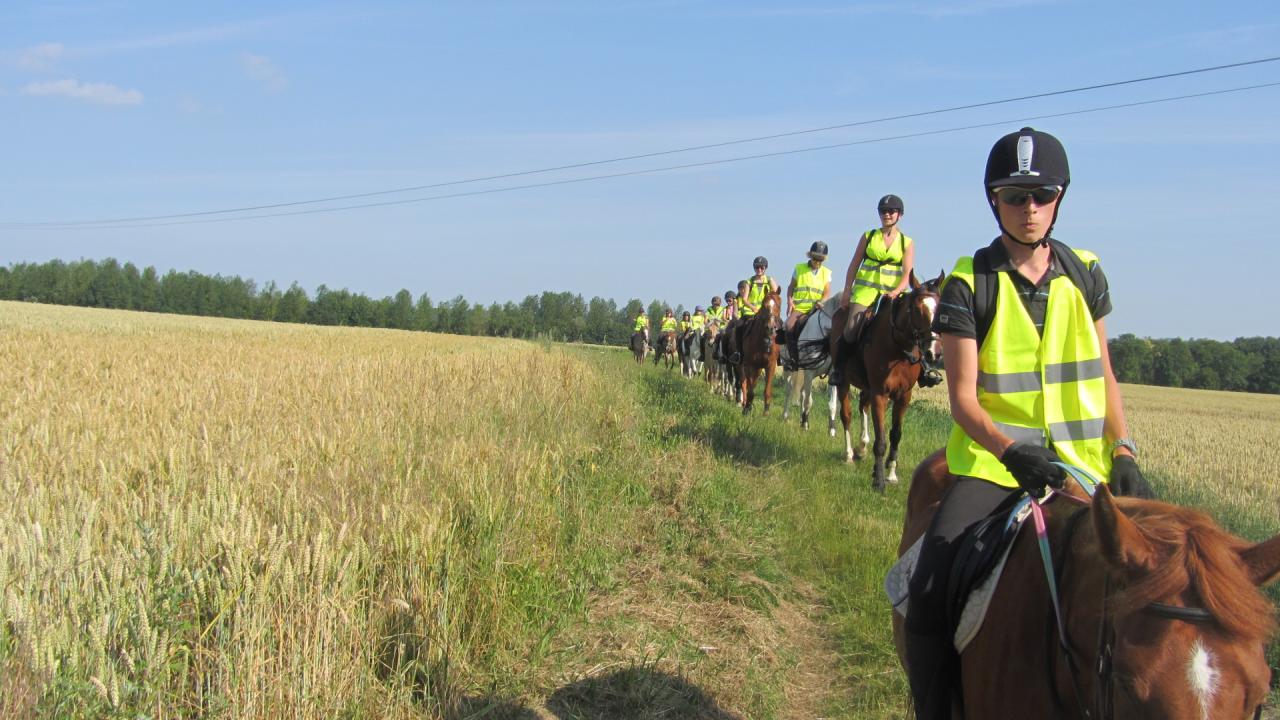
(955, 306)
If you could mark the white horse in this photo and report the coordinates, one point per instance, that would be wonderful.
(802, 380)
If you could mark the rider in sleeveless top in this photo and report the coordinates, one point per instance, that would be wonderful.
(642, 324)
(810, 285)
(757, 287)
(881, 266)
(1007, 434)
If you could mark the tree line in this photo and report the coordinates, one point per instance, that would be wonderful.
(1245, 364)
(560, 316)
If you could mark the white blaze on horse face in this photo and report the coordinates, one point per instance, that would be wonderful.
(1203, 677)
(931, 308)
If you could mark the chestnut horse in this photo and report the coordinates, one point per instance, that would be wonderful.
(885, 367)
(665, 349)
(760, 352)
(1161, 608)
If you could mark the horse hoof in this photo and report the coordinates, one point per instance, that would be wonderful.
(831, 432)
(804, 424)
(878, 487)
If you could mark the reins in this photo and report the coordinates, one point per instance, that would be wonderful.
(1103, 706)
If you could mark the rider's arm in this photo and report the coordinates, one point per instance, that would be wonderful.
(791, 289)
(1114, 427)
(908, 263)
(962, 389)
(852, 272)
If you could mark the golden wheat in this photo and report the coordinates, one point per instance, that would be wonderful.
(254, 520)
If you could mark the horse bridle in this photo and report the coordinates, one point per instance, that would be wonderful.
(914, 350)
(1103, 667)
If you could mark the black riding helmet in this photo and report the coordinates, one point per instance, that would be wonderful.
(818, 250)
(1027, 158)
(731, 295)
(760, 262)
(890, 202)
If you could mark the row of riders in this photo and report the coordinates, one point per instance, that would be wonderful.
(1142, 609)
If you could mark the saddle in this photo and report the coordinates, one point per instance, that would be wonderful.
(809, 342)
(974, 575)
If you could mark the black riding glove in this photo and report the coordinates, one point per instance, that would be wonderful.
(1126, 479)
(1032, 466)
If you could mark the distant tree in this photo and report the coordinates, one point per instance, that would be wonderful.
(1174, 365)
(294, 305)
(424, 314)
(400, 312)
(1131, 359)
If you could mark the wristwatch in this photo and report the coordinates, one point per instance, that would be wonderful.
(1124, 443)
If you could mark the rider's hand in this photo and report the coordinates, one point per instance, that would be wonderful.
(1032, 466)
(1126, 479)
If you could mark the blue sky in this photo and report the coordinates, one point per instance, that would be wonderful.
(128, 109)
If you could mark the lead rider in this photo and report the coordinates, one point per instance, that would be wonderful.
(1029, 380)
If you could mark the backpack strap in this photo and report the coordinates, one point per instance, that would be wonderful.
(1075, 265)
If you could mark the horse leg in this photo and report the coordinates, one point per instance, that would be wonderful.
(832, 399)
(846, 417)
(864, 412)
(789, 380)
(748, 390)
(806, 397)
(878, 405)
(895, 436)
(768, 384)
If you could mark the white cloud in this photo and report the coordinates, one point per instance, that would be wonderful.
(265, 72)
(101, 93)
(40, 57)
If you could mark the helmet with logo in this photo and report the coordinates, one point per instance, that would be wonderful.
(1029, 158)
(760, 262)
(890, 202)
(818, 250)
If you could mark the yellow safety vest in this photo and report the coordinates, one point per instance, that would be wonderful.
(697, 322)
(642, 323)
(756, 293)
(668, 324)
(686, 326)
(716, 313)
(809, 286)
(1044, 389)
(881, 269)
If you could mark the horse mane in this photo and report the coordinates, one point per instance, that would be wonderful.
(1193, 552)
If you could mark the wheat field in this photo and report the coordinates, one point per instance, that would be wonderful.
(209, 516)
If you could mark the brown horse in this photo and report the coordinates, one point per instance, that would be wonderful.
(760, 352)
(665, 349)
(639, 346)
(885, 366)
(711, 364)
(1161, 608)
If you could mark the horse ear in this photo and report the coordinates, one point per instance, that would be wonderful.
(915, 281)
(942, 275)
(1123, 545)
(1263, 561)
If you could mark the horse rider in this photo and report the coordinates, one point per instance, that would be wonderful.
(698, 320)
(881, 266)
(758, 287)
(686, 323)
(810, 285)
(715, 312)
(642, 324)
(669, 323)
(1029, 380)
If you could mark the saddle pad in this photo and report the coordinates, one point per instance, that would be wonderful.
(898, 579)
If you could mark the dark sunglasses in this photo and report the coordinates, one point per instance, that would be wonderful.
(1018, 196)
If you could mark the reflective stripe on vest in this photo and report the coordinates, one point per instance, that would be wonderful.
(1043, 389)
(881, 269)
(809, 286)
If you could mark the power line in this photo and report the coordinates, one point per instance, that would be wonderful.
(660, 153)
(668, 168)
